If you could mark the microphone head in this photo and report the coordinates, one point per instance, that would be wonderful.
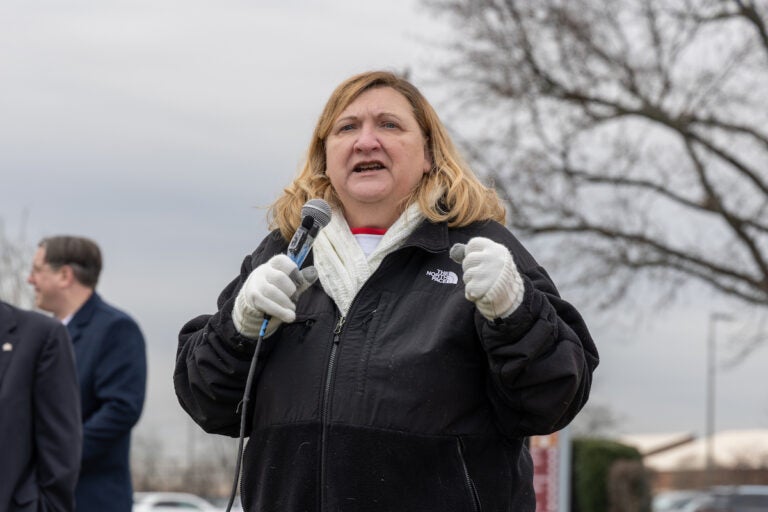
(319, 210)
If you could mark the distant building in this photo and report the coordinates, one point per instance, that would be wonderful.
(679, 460)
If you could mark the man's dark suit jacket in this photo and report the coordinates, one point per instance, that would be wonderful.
(112, 368)
(40, 427)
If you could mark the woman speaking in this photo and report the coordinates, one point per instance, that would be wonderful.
(405, 367)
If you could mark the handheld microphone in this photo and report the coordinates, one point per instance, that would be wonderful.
(315, 215)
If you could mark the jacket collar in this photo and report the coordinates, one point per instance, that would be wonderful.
(83, 316)
(430, 236)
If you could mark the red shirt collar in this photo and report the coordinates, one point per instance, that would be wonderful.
(368, 231)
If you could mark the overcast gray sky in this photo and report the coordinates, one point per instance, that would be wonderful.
(162, 128)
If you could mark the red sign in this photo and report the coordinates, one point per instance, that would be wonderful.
(544, 452)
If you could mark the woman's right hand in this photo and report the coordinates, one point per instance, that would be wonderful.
(271, 289)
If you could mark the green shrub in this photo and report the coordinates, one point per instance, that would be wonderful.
(591, 469)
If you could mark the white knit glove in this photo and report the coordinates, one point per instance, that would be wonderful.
(273, 289)
(491, 279)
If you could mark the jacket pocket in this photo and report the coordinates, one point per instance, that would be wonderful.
(298, 329)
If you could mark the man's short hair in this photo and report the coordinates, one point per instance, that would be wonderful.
(81, 254)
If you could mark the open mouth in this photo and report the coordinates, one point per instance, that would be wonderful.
(368, 166)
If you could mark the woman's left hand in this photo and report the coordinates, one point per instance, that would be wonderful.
(491, 279)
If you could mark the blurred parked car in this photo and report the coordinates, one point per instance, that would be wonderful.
(171, 502)
(223, 502)
(673, 501)
(738, 498)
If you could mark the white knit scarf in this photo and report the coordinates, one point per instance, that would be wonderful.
(340, 262)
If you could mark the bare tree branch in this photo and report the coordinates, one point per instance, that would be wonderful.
(632, 130)
(15, 259)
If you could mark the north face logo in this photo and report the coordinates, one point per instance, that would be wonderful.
(443, 276)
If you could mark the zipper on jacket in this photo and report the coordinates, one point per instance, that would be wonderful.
(326, 405)
(467, 478)
(330, 370)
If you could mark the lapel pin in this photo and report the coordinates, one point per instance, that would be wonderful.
(7, 347)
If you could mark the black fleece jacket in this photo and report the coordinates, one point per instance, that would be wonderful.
(412, 402)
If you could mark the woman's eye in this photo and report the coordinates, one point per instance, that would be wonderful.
(346, 127)
(389, 124)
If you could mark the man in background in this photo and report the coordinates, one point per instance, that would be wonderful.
(111, 366)
(40, 430)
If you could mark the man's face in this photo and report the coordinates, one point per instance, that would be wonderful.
(46, 281)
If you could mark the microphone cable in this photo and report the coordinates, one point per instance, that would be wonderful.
(243, 408)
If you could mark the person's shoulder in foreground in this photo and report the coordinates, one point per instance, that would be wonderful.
(40, 429)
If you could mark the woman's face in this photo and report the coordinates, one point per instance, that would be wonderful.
(375, 156)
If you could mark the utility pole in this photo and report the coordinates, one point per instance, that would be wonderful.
(711, 376)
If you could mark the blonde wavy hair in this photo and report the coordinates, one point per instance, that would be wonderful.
(450, 192)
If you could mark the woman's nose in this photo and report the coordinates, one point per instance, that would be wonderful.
(367, 139)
